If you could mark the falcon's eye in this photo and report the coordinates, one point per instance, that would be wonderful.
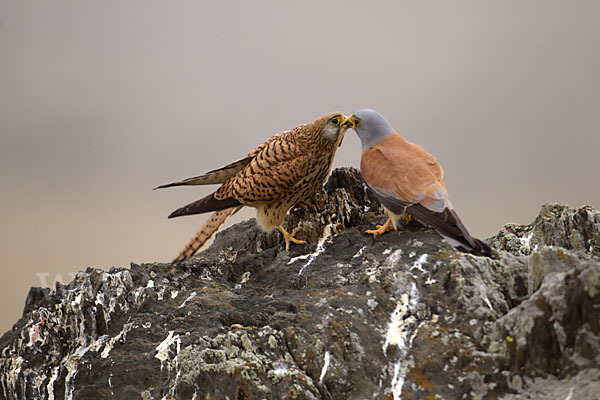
(356, 121)
(335, 121)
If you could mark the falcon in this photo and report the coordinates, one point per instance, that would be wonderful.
(283, 172)
(408, 182)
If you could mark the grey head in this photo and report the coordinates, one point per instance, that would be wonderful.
(370, 126)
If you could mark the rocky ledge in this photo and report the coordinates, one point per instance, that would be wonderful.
(344, 317)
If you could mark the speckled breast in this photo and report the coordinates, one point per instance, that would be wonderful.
(316, 177)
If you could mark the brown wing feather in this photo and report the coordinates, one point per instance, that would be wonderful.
(213, 177)
(221, 175)
(277, 166)
(406, 170)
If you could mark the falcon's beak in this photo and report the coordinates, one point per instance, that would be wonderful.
(350, 122)
(344, 121)
(343, 127)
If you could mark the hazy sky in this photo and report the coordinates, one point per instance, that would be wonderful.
(102, 101)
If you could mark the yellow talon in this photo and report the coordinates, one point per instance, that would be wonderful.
(381, 229)
(290, 237)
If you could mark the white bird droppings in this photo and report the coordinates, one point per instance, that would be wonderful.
(163, 348)
(191, 296)
(401, 333)
(320, 249)
(360, 252)
(418, 265)
(325, 366)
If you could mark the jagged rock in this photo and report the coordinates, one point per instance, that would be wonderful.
(344, 317)
(556, 225)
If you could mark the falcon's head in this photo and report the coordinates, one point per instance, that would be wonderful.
(370, 126)
(333, 126)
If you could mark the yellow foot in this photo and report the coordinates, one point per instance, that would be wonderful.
(381, 229)
(290, 237)
(306, 204)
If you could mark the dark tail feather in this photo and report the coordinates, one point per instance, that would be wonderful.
(205, 204)
(482, 249)
(450, 227)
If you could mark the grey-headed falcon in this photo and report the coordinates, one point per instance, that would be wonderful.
(408, 181)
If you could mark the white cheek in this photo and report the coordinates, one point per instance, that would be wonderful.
(330, 133)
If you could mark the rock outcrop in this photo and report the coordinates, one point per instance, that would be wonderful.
(346, 316)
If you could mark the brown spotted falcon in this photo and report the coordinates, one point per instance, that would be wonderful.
(283, 172)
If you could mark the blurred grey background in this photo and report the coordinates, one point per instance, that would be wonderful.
(102, 101)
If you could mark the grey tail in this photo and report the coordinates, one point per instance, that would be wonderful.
(447, 224)
(204, 205)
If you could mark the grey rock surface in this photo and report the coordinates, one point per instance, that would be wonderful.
(556, 225)
(346, 316)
